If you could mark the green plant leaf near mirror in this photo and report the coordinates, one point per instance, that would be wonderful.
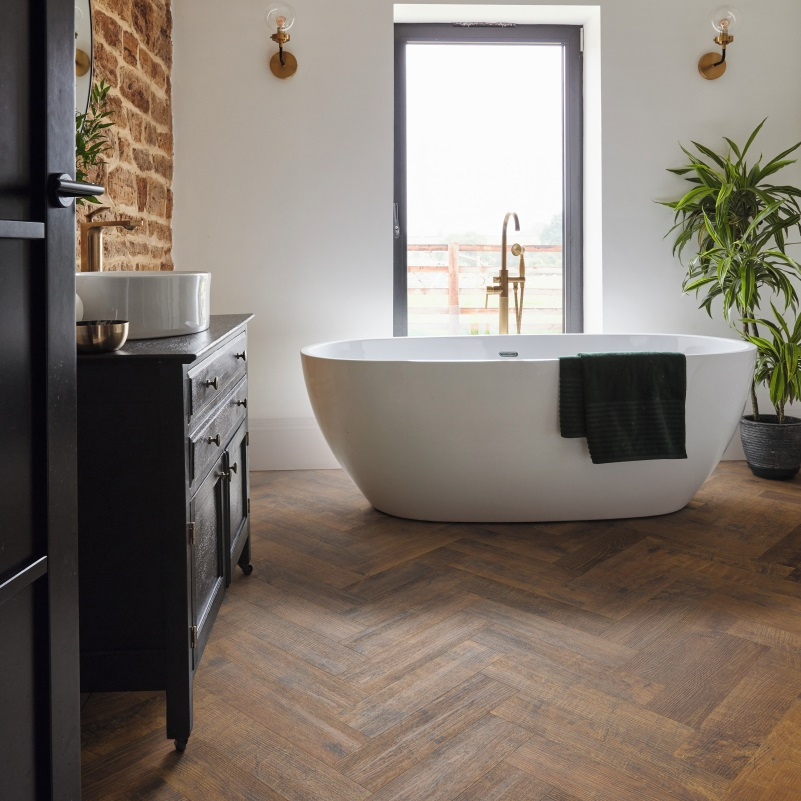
(737, 224)
(91, 138)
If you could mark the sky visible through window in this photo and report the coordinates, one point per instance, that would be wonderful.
(484, 136)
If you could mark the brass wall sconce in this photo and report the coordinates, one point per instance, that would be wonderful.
(723, 19)
(281, 16)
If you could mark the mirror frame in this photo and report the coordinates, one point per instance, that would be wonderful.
(84, 46)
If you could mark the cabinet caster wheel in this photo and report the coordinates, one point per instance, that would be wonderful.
(180, 746)
(247, 569)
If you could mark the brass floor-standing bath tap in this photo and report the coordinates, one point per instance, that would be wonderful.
(502, 281)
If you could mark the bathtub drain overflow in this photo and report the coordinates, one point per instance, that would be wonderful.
(507, 353)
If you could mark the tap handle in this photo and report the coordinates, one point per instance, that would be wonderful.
(63, 190)
(94, 212)
(491, 290)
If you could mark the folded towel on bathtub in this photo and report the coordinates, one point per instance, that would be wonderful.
(630, 406)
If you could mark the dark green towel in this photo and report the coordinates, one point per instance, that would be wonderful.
(630, 406)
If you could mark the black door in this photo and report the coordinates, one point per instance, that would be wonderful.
(39, 695)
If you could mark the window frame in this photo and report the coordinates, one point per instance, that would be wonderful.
(570, 37)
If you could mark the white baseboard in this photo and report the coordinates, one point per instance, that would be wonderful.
(288, 444)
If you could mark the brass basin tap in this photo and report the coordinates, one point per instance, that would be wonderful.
(502, 281)
(92, 239)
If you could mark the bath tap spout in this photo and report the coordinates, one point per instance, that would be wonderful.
(503, 278)
(503, 235)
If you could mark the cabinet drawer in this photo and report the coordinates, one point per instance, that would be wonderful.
(212, 377)
(209, 441)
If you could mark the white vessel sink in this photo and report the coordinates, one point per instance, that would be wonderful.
(156, 304)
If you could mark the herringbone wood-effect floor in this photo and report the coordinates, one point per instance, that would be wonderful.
(369, 657)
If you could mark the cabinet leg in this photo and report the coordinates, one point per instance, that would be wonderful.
(180, 745)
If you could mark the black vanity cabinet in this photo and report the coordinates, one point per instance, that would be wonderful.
(163, 507)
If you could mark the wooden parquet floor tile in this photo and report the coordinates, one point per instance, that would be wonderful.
(369, 658)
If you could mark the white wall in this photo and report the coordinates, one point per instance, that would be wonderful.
(273, 176)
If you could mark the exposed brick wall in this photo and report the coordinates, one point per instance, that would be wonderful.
(133, 53)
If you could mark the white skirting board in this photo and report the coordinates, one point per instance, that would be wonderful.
(288, 444)
(298, 444)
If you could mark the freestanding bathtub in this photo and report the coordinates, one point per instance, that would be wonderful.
(450, 429)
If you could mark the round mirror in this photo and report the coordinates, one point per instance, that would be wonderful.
(83, 54)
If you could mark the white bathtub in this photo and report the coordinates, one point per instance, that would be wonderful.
(444, 428)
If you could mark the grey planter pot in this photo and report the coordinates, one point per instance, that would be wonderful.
(772, 450)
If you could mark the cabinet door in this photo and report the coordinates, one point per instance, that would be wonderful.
(208, 573)
(239, 489)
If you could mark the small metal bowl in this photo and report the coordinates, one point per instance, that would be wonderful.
(100, 336)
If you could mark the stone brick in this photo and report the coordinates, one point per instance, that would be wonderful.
(122, 8)
(136, 248)
(141, 192)
(118, 115)
(157, 199)
(141, 18)
(160, 231)
(130, 51)
(134, 89)
(160, 109)
(107, 29)
(162, 45)
(136, 123)
(152, 69)
(121, 186)
(112, 146)
(150, 134)
(125, 149)
(162, 165)
(164, 142)
(114, 246)
(143, 159)
(149, 20)
(106, 64)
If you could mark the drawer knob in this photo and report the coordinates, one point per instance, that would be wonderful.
(215, 440)
(243, 355)
(214, 382)
(242, 403)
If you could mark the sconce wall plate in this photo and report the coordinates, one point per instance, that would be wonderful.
(285, 70)
(711, 67)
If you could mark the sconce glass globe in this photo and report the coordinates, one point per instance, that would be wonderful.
(724, 19)
(280, 16)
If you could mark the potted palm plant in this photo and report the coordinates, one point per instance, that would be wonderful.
(738, 222)
(772, 443)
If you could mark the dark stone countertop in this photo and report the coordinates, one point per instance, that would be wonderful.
(185, 348)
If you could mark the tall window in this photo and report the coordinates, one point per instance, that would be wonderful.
(487, 120)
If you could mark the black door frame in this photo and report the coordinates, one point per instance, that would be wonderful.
(40, 65)
(570, 38)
